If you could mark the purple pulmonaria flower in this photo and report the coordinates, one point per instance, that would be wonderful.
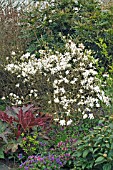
(26, 168)
(52, 158)
(31, 161)
(21, 166)
(39, 158)
(31, 157)
(60, 144)
(58, 161)
(67, 154)
(20, 156)
(100, 124)
(42, 144)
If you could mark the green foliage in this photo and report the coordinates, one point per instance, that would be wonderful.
(109, 92)
(30, 144)
(2, 105)
(84, 21)
(4, 132)
(8, 144)
(83, 144)
(79, 130)
(57, 143)
(95, 150)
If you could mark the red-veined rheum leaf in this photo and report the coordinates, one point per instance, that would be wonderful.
(4, 117)
(28, 120)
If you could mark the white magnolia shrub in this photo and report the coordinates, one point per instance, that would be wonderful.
(71, 79)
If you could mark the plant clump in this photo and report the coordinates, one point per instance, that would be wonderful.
(70, 81)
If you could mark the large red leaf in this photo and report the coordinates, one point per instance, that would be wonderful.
(4, 117)
(28, 120)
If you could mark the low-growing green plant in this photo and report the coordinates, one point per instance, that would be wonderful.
(79, 129)
(58, 144)
(58, 157)
(5, 132)
(95, 150)
(30, 144)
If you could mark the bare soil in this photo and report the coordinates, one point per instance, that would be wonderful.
(6, 164)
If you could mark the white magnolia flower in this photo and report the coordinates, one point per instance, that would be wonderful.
(69, 122)
(3, 98)
(87, 109)
(50, 21)
(67, 72)
(97, 105)
(62, 122)
(85, 116)
(96, 89)
(13, 53)
(27, 55)
(81, 91)
(49, 102)
(17, 85)
(55, 81)
(56, 100)
(35, 95)
(56, 120)
(68, 112)
(19, 76)
(24, 74)
(10, 94)
(91, 105)
(91, 116)
(56, 91)
(19, 102)
(65, 80)
(31, 91)
(81, 45)
(62, 90)
(105, 75)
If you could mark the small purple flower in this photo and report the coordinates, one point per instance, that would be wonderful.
(58, 161)
(20, 156)
(21, 166)
(67, 154)
(51, 157)
(31, 157)
(26, 168)
(60, 144)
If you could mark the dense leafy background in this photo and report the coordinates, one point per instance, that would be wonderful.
(87, 143)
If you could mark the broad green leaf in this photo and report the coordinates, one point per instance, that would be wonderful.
(99, 159)
(1, 153)
(85, 153)
(110, 154)
(107, 145)
(95, 150)
(112, 146)
(107, 167)
(111, 125)
(79, 154)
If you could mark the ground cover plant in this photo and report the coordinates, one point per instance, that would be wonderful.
(56, 92)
